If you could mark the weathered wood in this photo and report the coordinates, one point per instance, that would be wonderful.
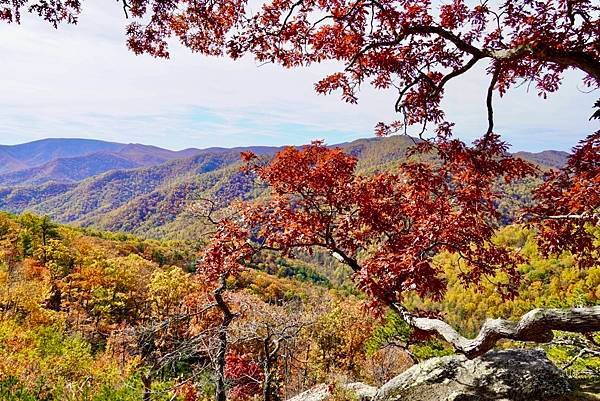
(535, 326)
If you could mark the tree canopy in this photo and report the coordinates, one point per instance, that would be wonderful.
(388, 227)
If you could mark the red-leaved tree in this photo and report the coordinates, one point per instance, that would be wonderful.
(567, 204)
(388, 228)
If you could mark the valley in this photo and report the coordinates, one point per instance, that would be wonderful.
(147, 190)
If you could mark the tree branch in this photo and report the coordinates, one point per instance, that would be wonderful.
(125, 7)
(567, 58)
(457, 72)
(535, 326)
(581, 216)
(490, 98)
(460, 43)
(583, 352)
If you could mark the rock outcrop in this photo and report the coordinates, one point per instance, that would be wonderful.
(321, 392)
(516, 375)
(508, 375)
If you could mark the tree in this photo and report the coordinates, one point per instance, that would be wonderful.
(161, 335)
(39, 230)
(59, 261)
(337, 340)
(216, 275)
(9, 241)
(389, 227)
(270, 330)
(567, 204)
(220, 361)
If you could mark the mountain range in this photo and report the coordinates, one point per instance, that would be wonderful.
(148, 190)
(71, 160)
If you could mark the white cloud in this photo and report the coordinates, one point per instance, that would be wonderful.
(81, 81)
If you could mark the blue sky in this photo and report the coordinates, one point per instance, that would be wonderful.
(82, 82)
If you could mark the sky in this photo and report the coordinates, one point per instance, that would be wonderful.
(82, 82)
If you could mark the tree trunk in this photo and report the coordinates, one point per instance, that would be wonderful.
(535, 326)
(54, 302)
(220, 390)
(147, 383)
(267, 386)
(270, 389)
(267, 371)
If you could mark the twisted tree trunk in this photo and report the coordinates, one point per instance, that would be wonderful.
(535, 326)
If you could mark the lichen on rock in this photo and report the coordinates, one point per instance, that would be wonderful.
(507, 375)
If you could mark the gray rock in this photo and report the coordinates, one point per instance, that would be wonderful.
(511, 375)
(321, 392)
(362, 391)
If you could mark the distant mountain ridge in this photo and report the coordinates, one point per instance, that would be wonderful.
(72, 160)
(37, 153)
(147, 190)
(65, 170)
(545, 158)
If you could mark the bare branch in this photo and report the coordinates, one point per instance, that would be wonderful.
(457, 72)
(583, 352)
(534, 326)
(581, 216)
(489, 100)
(287, 17)
(125, 7)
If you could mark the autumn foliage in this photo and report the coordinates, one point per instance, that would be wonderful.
(245, 375)
(387, 227)
(392, 228)
(567, 204)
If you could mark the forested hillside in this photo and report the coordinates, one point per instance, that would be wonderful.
(111, 191)
(66, 170)
(89, 315)
(37, 153)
